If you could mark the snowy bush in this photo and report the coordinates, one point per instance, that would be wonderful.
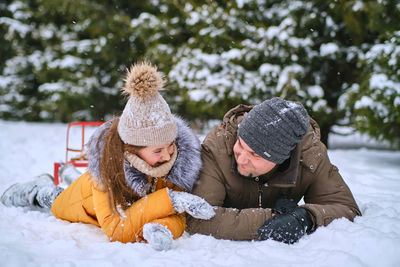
(65, 60)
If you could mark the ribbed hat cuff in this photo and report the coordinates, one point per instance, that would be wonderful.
(149, 136)
(260, 148)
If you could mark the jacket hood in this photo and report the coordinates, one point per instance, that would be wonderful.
(183, 173)
(286, 173)
(231, 121)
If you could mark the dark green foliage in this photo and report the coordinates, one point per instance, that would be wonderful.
(64, 60)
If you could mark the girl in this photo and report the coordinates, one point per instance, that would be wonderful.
(140, 164)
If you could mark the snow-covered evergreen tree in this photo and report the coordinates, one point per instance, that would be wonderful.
(310, 51)
(65, 60)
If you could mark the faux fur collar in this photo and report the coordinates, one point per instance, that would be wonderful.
(184, 172)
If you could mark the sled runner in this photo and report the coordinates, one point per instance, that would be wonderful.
(79, 156)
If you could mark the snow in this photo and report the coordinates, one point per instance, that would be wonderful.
(193, 18)
(328, 49)
(36, 238)
(367, 102)
(358, 6)
(214, 83)
(381, 81)
(82, 46)
(16, 26)
(287, 77)
(241, 3)
(315, 91)
(51, 87)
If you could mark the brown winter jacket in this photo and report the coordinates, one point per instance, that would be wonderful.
(307, 173)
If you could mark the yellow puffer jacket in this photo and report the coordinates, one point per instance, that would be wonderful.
(83, 202)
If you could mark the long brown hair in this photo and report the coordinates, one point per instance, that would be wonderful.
(112, 169)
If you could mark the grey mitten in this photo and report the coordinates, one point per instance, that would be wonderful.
(158, 236)
(192, 204)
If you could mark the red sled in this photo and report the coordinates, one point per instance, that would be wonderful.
(79, 160)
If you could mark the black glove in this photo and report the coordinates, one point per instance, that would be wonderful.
(283, 205)
(288, 227)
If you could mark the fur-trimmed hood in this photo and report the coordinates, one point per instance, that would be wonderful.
(184, 172)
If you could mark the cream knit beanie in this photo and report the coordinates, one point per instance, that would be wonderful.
(146, 119)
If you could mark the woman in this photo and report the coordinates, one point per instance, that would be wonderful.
(139, 166)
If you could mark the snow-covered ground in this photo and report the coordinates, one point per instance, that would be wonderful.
(35, 238)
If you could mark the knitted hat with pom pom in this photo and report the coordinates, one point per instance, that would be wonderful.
(146, 119)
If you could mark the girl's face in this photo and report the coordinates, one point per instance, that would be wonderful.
(156, 155)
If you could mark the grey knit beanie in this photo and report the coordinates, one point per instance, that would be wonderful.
(273, 128)
(146, 119)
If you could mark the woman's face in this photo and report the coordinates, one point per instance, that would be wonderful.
(156, 155)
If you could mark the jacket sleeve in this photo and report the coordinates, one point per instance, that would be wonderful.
(327, 197)
(127, 226)
(228, 223)
(175, 223)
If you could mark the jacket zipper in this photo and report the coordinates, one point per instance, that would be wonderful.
(260, 192)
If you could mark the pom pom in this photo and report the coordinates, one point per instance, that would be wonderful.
(142, 81)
